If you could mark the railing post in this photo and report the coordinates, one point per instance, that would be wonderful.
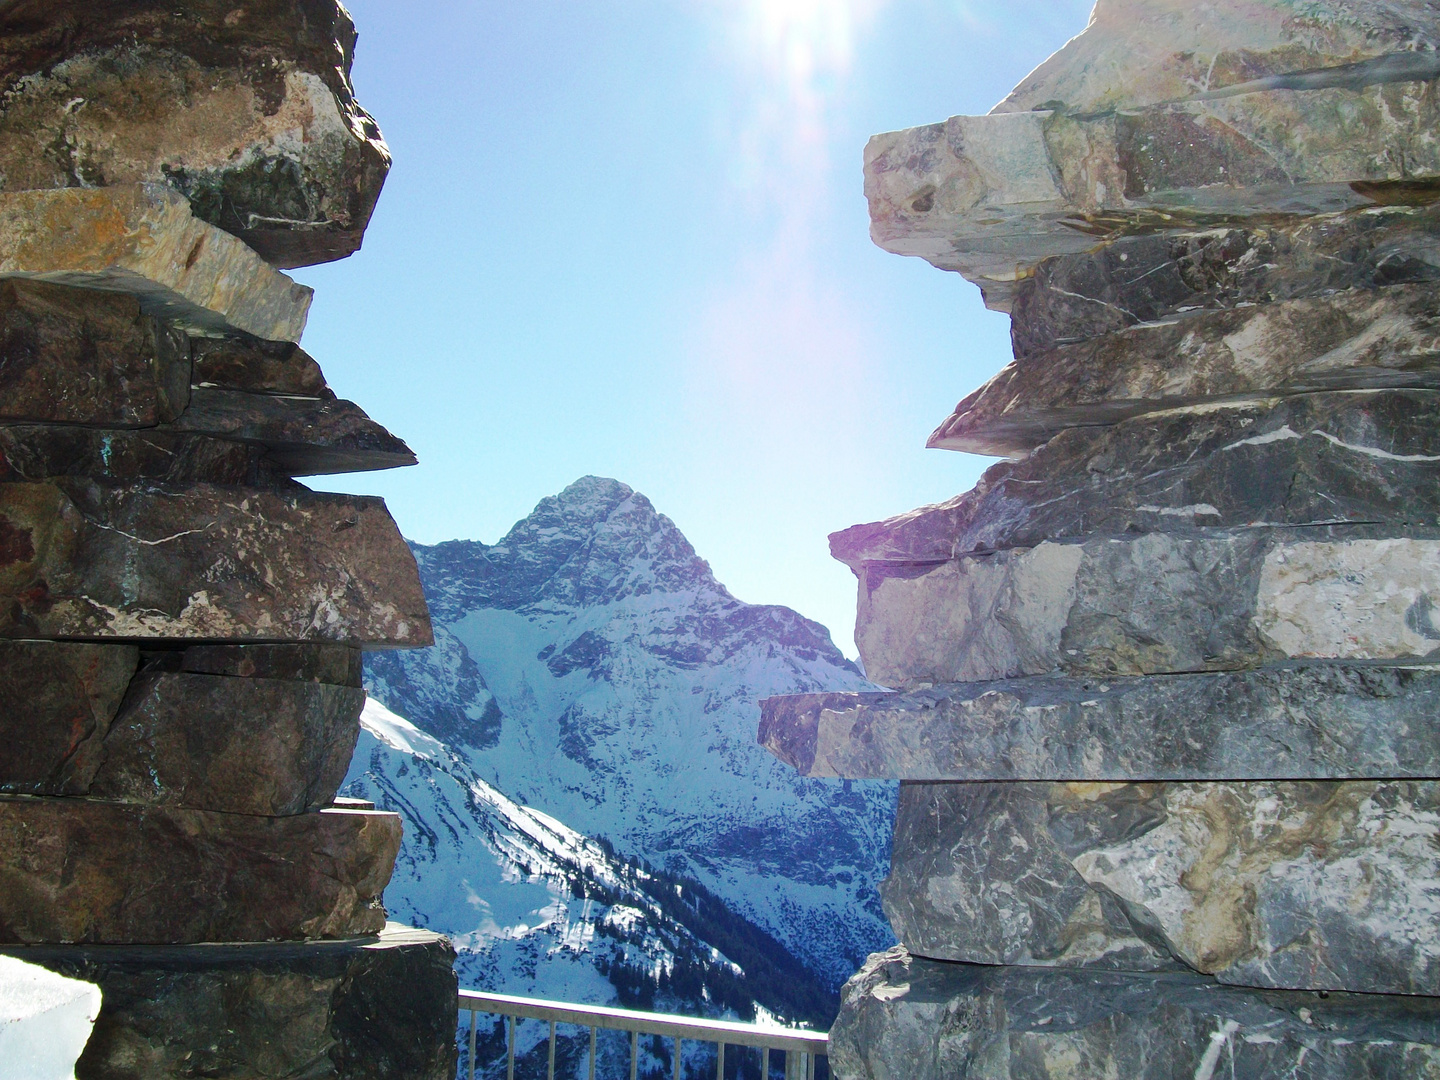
(472, 1044)
(592, 1052)
(634, 1053)
(679, 1042)
(551, 1072)
(719, 1059)
(765, 1065)
(510, 1056)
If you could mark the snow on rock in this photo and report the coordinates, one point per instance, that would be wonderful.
(45, 1020)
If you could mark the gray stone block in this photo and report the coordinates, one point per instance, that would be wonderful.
(1362, 457)
(1310, 721)
(904, 1018)
(1320, 885)
(1153, 603)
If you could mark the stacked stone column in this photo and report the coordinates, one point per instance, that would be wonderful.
(181, 621)
(1166, 706)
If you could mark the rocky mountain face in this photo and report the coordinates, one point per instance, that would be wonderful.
(591, 668)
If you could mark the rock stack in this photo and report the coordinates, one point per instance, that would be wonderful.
(1166, 702)
(181, 622)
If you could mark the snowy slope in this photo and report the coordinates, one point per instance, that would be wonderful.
(535, 908)
(591, 667)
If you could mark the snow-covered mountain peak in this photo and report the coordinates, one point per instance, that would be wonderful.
(596, 542)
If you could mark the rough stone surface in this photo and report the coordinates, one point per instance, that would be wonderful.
(44, 451)
(86, 357)
(1320, 885)
(1142, 279)
(1357, 338)
(247, 110)
(57, 700)
(1314, 113)
(302, 436)
(241, 362)
(144, 240)
(1153, 603)
(369, 1009)
(337, 665)
(73, 870)
(904, 1017)
(1359, 457)
(239, 745)
(1307, 721)
(86, 559)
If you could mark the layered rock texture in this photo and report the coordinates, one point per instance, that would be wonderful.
(182, 621)
(1165, 683)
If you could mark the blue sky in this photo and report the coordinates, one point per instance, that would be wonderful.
(630, 239)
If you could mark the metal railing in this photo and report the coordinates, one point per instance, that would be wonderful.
(801, 1048)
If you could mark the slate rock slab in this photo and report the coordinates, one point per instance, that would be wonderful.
(92, 560)
(144, 240)
(335, 665)
(379, 1008)
(244, 362)
(1297, 721)
(1322, 885)
(1357, 338)
(1299, 115)
(57, 700)
(238, 745)
(80, 356)
(1312, 459)
(163, 455)
(1153, 603)
(1155, 277)
(301, 436)
(902, 1016)
(75, 870)
(247, 110)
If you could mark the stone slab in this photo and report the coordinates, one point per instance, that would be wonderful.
(57, 700)
(902, 1016)
(82, 559)
(301, 436)
(380, 1008)
(86, 357)
(238, 745)
(1298, 721)
(336, 665)
(242, 362)
(1319, 885)
(45, 451)
(1151, 278)
(1153, 603)
(1383, 337)
(1311, 459)
(247, 110)
(79, 871)
(1277, 127)
(143, 240)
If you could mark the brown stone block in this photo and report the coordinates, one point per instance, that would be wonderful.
(378, 1008)
(73, 870)
(242, 362)
(143, 240)
(337, 665)
(86, 357)
(92, 560)
(248, 110)
(56, 703)
(243, 746)
(43, 451)
(302, 436)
